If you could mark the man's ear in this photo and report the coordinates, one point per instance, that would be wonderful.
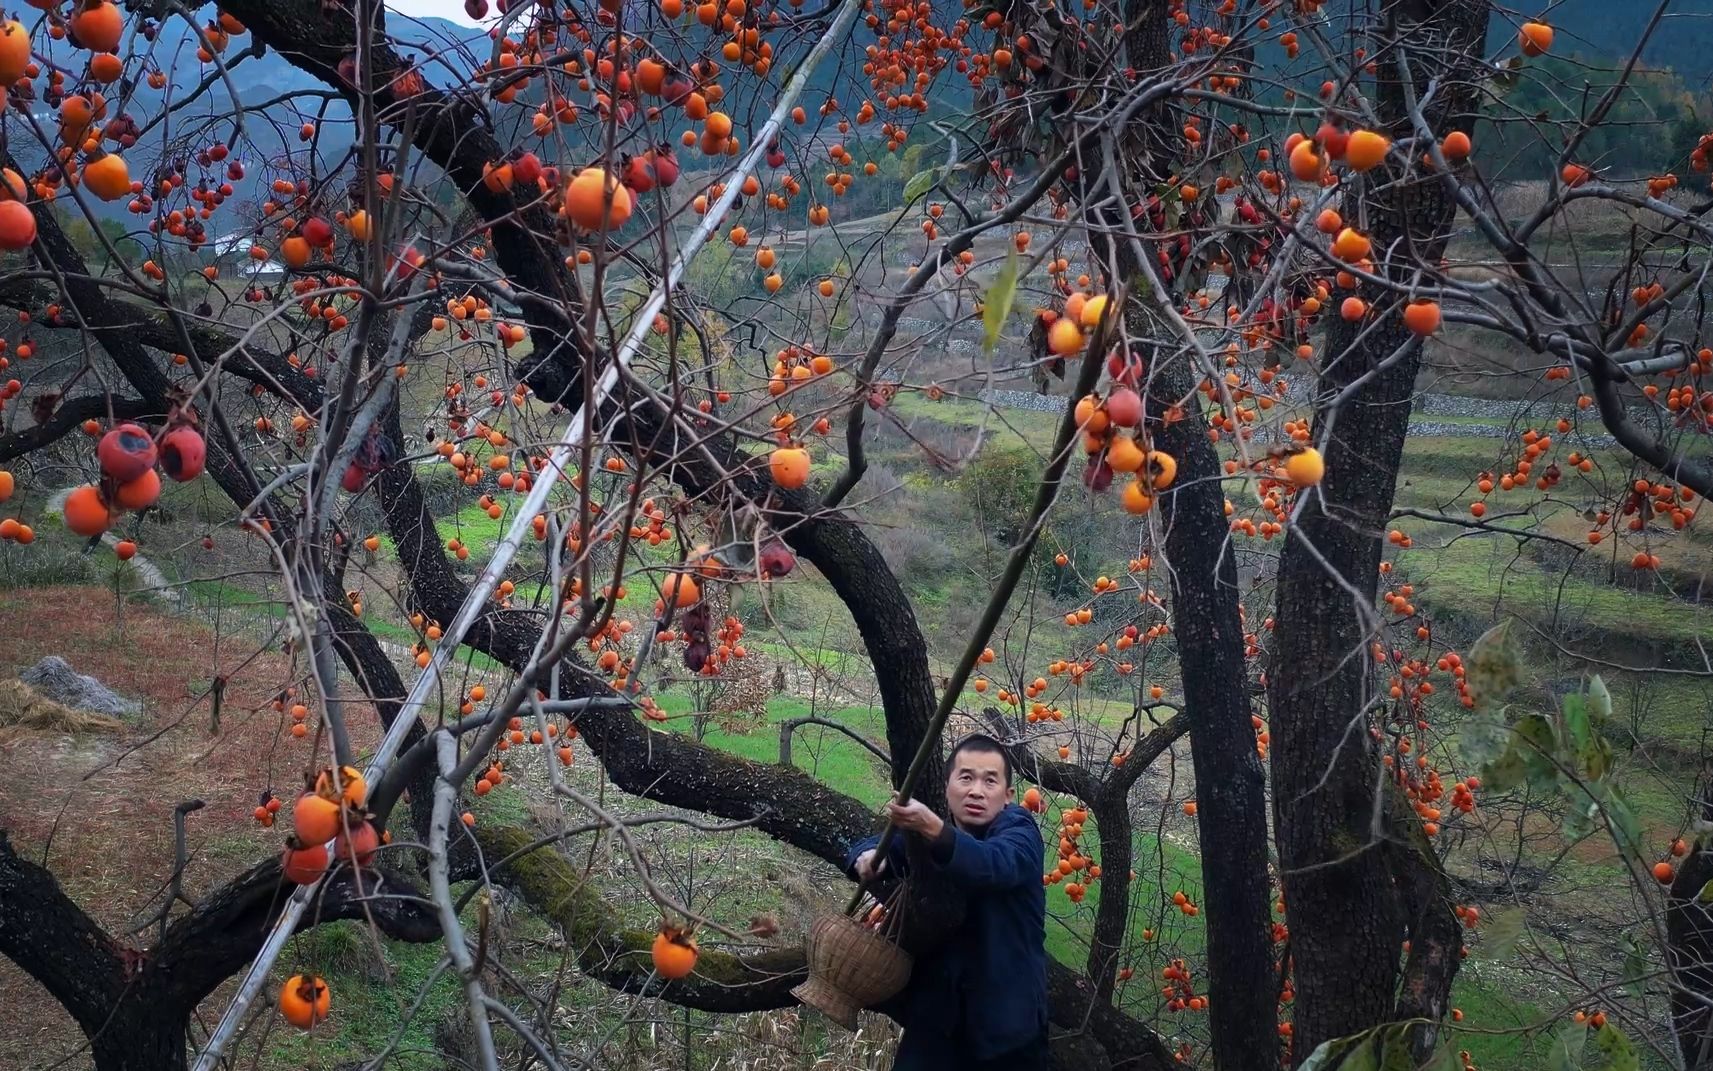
(1011, 793)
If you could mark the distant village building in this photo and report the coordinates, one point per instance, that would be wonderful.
(234, 248)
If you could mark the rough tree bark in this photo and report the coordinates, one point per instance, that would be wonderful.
(70, 415)
(1689, 947)
(1345, 917)
(1231, 790)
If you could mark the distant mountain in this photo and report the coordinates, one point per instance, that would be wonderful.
(447, 50)
(1598, 32)
(1611, 28)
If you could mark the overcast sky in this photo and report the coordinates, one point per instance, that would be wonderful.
(446, 9)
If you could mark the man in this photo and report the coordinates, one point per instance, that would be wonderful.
(978, 1002)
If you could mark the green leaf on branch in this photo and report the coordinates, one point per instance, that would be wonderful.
(1616, 1052)
(1526, 758)
(1500, 932)
(1505, 74)
(1576, 728)
(1171, 202)
(1495, 664)
(996, 306)
(1483, 740)
(1365, 1057)
(1635, 965)
(1705, 896)
(1395, 1050)
(1599, 701)
(1505, 772)
(1442, 1058)
(1597, 760)
(1536, 744)
(1626, 827)
(1590, 753)
(1567, 1047)
(1331, 1053)
(920, 183)
(1579, 818)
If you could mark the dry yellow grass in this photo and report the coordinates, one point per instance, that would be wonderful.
(22, 708)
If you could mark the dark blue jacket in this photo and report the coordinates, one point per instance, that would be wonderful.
(985, 989)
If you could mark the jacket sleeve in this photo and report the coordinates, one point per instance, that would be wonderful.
(1009, 858)
(894, 854)
(857, 849)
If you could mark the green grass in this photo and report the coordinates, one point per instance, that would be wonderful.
(1448, 418)
(1006, 428)
(1437, 492)
(473, 527)
(221, 593)
(401, 634)
(1162, 869)
(826, 657)
(1475, 575)
(825, 754)
(1498, 1027)
(367, 1006)
(1672, 710)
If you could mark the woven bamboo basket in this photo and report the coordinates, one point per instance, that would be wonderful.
(851, 967)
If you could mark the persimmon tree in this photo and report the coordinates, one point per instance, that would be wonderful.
(1234, 222)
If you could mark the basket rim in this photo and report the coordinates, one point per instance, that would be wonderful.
(857, 931)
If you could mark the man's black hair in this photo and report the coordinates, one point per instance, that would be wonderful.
(980, 743)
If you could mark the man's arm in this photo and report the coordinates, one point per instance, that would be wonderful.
(858, 850)
(1007, 859)
(863, 851)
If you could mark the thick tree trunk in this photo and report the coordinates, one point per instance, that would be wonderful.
(1340, 906)
(1436, 935)
(1231, 789)
(133, 1021)
(1230, 783)
(141, 1042)
(1689, 947)
(54, 942)
(1344, 914)
(1112, 914)
(1075, 1009)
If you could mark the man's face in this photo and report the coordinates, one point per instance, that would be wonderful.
(976, 789)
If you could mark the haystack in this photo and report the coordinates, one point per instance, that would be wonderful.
(22, 708)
